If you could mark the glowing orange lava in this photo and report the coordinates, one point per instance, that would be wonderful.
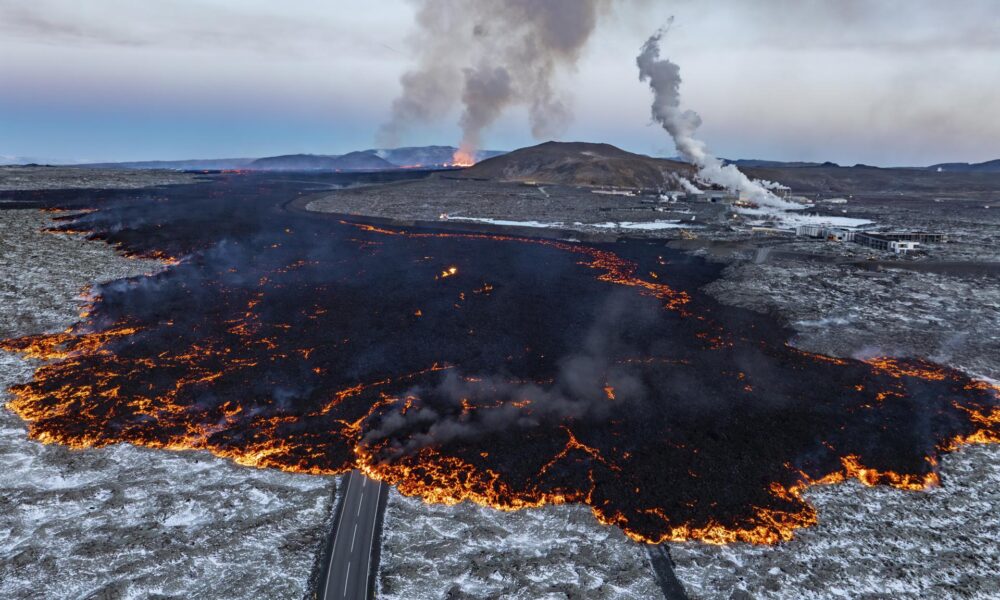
(463, 157)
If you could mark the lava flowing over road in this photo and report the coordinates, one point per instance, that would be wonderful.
(507, 371)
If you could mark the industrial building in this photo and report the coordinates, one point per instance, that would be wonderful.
(834, 234)
(880, 241)
(900, 242)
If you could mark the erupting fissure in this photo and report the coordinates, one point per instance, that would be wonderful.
(585, 374)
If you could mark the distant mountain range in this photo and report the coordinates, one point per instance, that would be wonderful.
(374, 159)
(7, 160)
(990, 166)
(753, 162)
(352, 161)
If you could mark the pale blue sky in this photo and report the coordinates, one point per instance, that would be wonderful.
(874, 81)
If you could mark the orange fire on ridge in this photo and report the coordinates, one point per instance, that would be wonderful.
(463, 157)
(429, 473)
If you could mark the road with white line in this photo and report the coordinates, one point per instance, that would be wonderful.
(348, 572)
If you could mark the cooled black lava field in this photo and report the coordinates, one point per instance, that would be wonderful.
(508, 371)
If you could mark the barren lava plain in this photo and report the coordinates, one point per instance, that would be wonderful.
(508, 371)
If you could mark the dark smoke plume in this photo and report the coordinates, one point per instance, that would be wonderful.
(489, 56)
(588, 386)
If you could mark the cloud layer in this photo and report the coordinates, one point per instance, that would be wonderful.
(893, 82)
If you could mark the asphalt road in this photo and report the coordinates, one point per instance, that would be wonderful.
(348, 573)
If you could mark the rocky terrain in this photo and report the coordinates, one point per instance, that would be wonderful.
(467, 551)
(125, 522)
(870, 543)
(441, 198)
(845, 311)
(44, 178)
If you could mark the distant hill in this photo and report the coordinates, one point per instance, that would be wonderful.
(861, 179)
(352, 161)
(211, 164)
(7, 160)
(991, 166)
(758, 163)
(580, 163)
(426, 156)
(365, 160)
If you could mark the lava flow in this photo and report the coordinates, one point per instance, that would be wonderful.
(506, 371)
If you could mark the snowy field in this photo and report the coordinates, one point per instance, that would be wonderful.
(871, 543)
(467, 551)
(125, 522)
(627, 225)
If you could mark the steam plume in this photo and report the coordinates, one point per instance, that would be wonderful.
(665, 79)
(489, 56)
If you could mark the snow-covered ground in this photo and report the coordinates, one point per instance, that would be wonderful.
(467, 551)
(125, 522)
(505, 222)
(872, 543)
(641, 225)
(629, 225)
(845, 311)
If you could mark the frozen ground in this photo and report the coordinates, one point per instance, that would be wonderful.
(846, 311)
(874, 542)
(627, 225)
(467, 551)
(36, 178)
(125, 522)
(871, 543)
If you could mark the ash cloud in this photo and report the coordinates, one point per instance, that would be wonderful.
(489, 56)
(664, 78)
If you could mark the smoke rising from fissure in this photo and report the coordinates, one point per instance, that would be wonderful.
(664, 80)
(490, 56)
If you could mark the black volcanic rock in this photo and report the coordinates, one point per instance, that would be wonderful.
(580, 163)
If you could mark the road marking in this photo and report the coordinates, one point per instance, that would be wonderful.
(371, 541)
(347, 578)
(361, 499)
(353, 535)
(333, 548)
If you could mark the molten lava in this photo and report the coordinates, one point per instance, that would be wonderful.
(463, 157)
(510, 372)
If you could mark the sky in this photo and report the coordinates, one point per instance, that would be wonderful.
(882, 82)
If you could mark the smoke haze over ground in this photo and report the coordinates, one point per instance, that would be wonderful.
(489, 57)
